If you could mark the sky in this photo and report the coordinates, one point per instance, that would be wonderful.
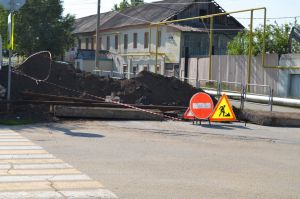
(275, 8)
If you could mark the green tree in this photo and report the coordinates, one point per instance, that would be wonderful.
(136, 2)
(125, 4)
(40, 25)
(3, 25)
(277, 40)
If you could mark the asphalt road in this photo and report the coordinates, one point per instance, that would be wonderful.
(152, 160)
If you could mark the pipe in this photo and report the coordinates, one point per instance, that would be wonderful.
(211, 47)
(250, 50)
(263, 99)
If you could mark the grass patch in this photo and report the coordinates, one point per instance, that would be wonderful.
(10, 122)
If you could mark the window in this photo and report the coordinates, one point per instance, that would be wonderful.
(135, 40)
(92, 43)
(87, 43)
(100, 43)
(146, 40)
(158, 68)
(159, 38)
(126, 41)
(125, 68)
(145, 68)
(116, 42)
(79, 43)
(134, 69)
(107, 42)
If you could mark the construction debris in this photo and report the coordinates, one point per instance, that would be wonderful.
(147, 88)
(37, 83)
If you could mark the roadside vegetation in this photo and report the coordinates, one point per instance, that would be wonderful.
(40, 25)
(125, 4)
(277, 41)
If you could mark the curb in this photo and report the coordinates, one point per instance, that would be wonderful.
(267, 118)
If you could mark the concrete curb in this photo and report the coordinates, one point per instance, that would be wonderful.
(267, 118)
(106, 113)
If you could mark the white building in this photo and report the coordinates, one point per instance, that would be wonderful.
(129, 44)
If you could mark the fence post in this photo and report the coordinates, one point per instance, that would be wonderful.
(219, 89)
(272, 95)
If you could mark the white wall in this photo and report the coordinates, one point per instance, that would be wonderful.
(89, 65)
(284, 75)
(235, 69)
(169, 52)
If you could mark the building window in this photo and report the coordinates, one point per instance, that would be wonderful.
(116, 42)
(159, 39)
(79, 43)
(145, 68)
(135, 69)
(100, 43)
(135, 40)
(108, 43)
(87, 43)
(158, 68)
(92, 43)
(125, 68)
(126, 41)
(146, 40)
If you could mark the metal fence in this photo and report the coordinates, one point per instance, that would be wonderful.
(237, 90)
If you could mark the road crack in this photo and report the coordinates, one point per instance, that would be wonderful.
(52, 185)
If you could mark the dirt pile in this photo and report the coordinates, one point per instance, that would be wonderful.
(147, 88)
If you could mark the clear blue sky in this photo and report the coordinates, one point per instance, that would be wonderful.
(276, 8)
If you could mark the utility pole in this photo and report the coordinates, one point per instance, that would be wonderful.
(11, 43)
(97, 34)
(12, 6)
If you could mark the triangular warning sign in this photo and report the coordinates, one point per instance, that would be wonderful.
(188, 115)
(223, 111)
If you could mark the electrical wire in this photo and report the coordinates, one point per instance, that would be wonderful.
(50, 65)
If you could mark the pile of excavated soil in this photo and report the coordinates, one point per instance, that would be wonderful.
(147, 88)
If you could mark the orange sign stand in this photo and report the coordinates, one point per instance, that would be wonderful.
(223, 111)
(188, 115)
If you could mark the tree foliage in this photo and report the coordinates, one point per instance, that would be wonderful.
(125, 4)
(277, 40)
(3, 25)
(40, 25)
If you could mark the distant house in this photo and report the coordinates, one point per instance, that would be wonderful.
(131, 42)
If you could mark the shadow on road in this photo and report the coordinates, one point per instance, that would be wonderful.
(77, 134)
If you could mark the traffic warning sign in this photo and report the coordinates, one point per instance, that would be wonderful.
(201, 106)
(188, 115)
(223, 111)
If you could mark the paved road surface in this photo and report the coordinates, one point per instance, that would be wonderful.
(149, 160)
